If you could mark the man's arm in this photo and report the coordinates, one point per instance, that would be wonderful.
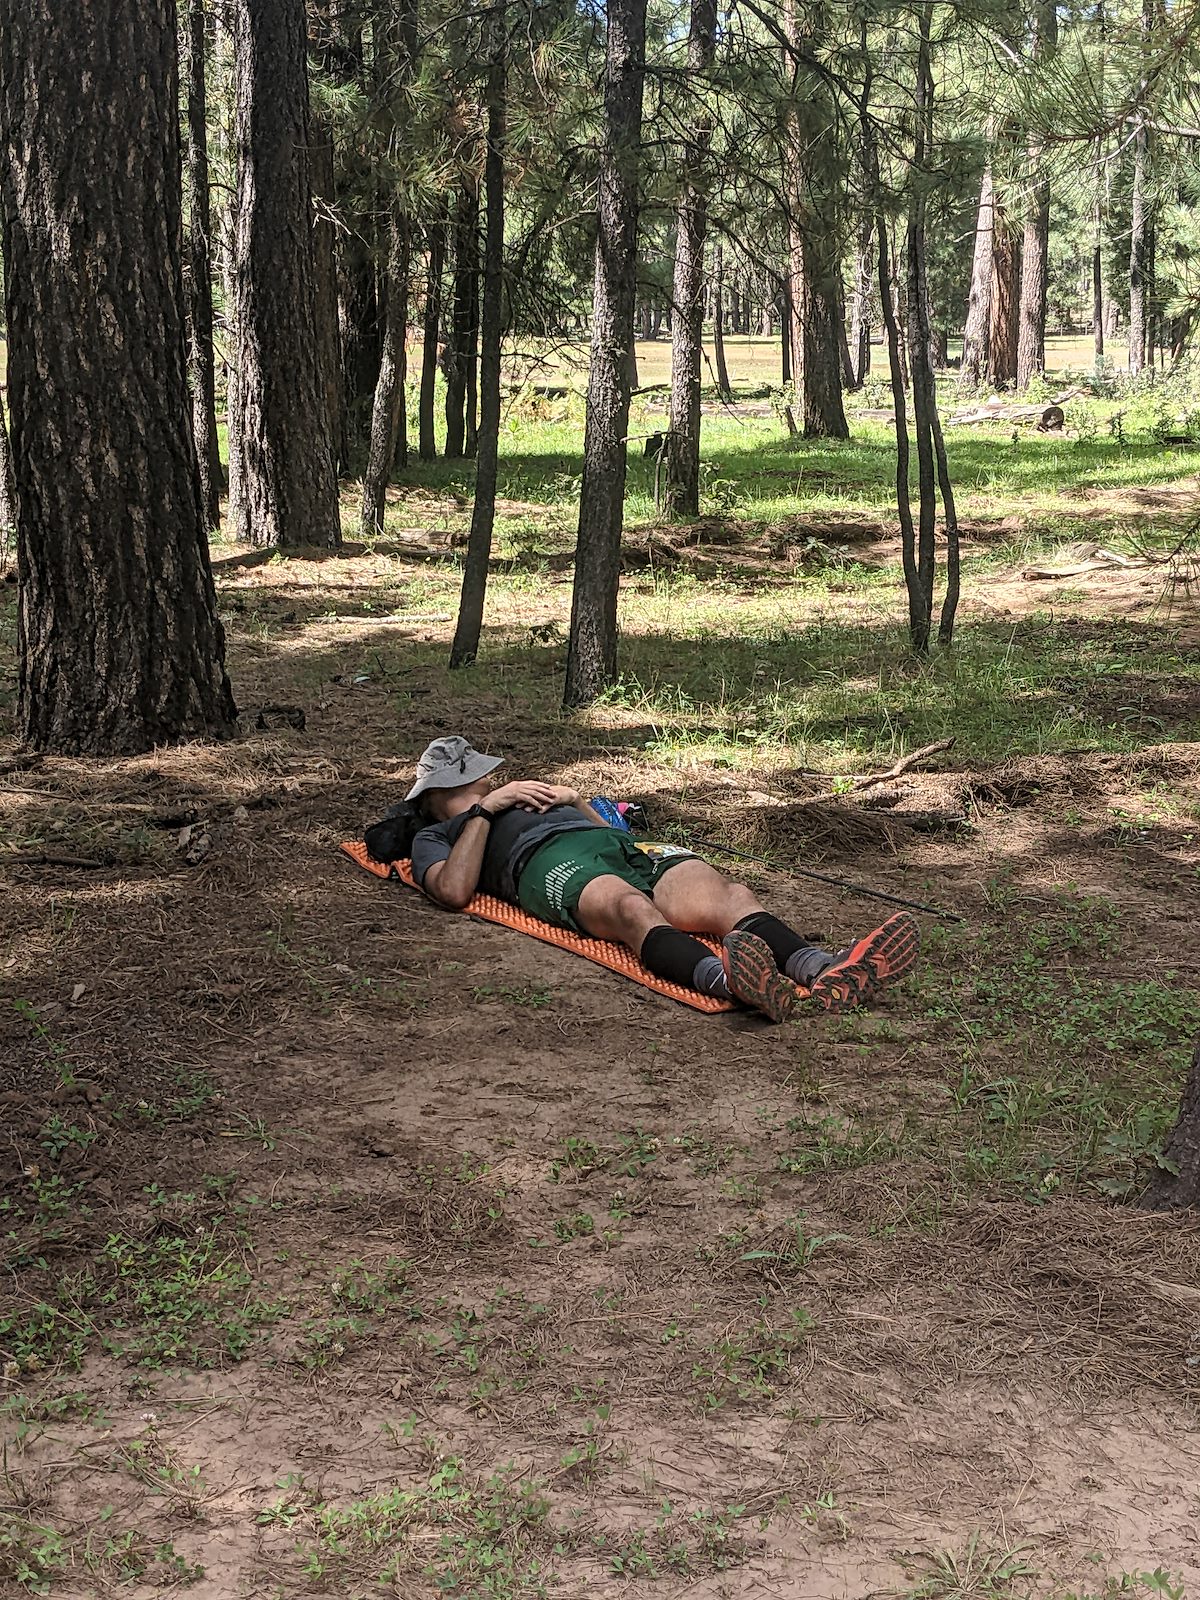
(571, 797)
(453, 882)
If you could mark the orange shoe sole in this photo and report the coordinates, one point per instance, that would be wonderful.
(879, 958)
(753, 977)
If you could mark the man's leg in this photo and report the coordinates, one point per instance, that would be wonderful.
(611, 908)
(695, 896)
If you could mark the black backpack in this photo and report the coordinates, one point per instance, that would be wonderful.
(390, 839)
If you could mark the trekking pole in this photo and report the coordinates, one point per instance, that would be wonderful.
(823, 877)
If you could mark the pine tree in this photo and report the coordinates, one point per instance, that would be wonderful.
(288, 491)
(682, 478)
(479, 546)
(119, 643)
(198, 262)
(592, 651)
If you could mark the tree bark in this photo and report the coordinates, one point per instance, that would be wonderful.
(682, 475)
(1176, 1183)
(119, 643)
(592, 652)
(860, 313)
(198, 264)
(1139, 251)
(432, 324)
(718, 321)
(483, 513)
(918, 619)
(1002, 334)
(924, 390)
(289, 490)
(979, 306)
(1031, 339)
(8, 494)
(460, 350)
(821, 341)
(814, 201)
(325, 239)
(787, 313)
(225, 73)
(387, 411)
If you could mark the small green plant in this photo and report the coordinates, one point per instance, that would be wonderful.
(979, 1571)
(746, 1365)
(581, 1225)
(579, 1156)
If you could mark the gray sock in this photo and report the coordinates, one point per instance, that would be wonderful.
(808, 964)
(709, 978)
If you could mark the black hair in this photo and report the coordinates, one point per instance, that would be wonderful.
(390, 839)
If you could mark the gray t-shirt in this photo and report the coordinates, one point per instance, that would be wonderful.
(512, 839)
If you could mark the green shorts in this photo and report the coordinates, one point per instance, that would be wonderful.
(556, 875)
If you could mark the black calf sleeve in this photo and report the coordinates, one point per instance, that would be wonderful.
(673, 955)
(782, 941)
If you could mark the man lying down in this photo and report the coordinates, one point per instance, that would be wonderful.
(543, 848)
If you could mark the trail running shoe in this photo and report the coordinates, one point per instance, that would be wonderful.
(753, 977)
(881, 957)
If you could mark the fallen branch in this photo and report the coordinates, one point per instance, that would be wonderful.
(1095, 560)
(902, 766)
(399, 616)
(20, 763)
(251, 558)
(30, 859)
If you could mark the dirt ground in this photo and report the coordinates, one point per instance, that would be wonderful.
(357, 1248)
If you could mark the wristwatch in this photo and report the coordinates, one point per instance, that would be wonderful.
(478, 811)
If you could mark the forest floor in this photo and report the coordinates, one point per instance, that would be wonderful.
(355, 1248)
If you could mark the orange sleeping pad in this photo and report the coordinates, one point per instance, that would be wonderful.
(616, 957)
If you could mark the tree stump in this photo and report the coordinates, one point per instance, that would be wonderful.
(1177, 1183)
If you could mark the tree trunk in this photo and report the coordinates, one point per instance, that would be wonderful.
(360, 330)
(1031, 339)
(224, 66)
(1002, 334)
(979, 306)
(289, 491)
(483, 512)
(918, 621)
(848, 374)
(1139, 250)
(460, 350)
(426, 436)
(1176, 1183)
(387, 412)
(8, 495)
(924, 389)
(860, 312)
(787, 316)
(119, 644)
(718, 320)
(471, 409)
(592, 652)
(198, 266)
(325, 242)
(814, 201)
(682, 476)
(1098, 260)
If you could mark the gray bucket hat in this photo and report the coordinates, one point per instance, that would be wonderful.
(449, 763)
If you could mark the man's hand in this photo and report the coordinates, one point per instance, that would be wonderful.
(528, 796)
